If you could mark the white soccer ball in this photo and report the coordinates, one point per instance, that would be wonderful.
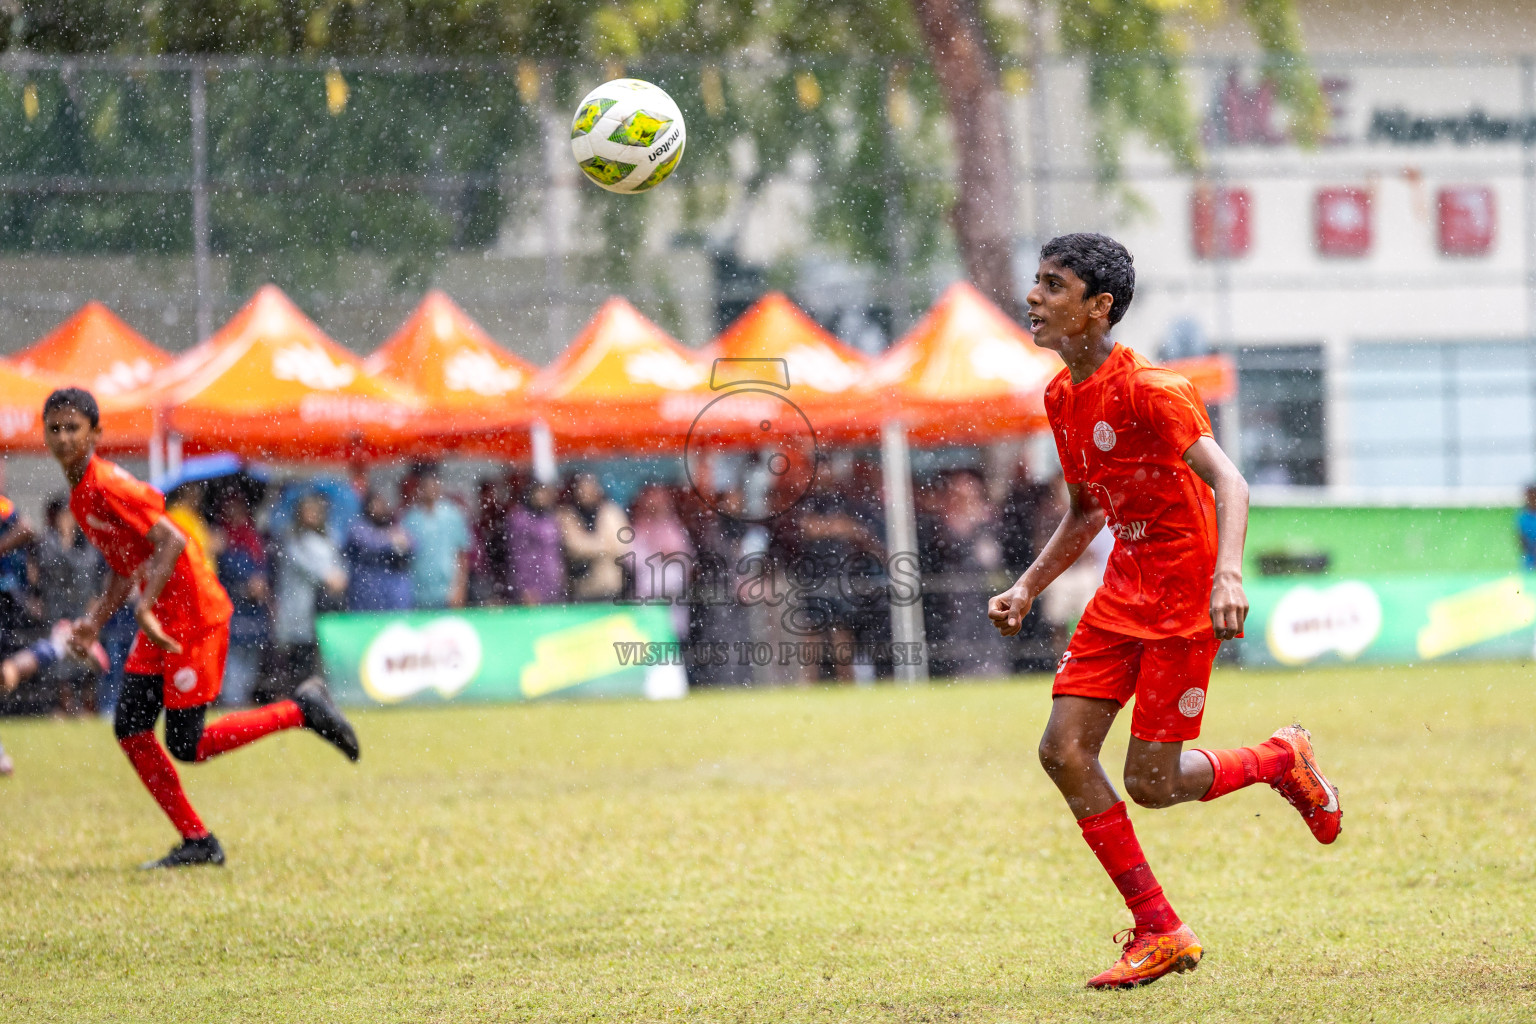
(627, 135)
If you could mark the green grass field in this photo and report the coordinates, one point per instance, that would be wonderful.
(879, 854)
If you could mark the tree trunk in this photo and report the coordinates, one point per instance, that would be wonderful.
(983, 215)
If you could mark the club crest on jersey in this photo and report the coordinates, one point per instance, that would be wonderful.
(1103, 436)
(185, 679)
(1192, 700)
(1129, 531)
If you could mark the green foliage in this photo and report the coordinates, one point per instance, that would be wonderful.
(877, 182)
(1285, 65)
(407, 167)
(94, 125)
(1134, 51)
(294, 177)
(1133, 77)
(71, 26)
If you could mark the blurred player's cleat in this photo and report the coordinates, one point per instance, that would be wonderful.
(1150, 955)
(1308, 789)
(325, 718)
(191, 852)
(7, 766)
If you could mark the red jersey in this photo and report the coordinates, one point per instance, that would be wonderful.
(116, 512)
(1122, 435)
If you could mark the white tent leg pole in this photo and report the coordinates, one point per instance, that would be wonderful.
(157, 455)
(545, 471)
(173, 454)
(901, 547)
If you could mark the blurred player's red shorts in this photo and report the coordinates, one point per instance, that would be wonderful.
(192, 677)
(1168, 678)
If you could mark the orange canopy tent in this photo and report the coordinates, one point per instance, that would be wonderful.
(623, 385)
(21, 409)
(472, 387)
(95, 350)
(965, 374)
(1214, 376)
(823, 374)
(270, 384)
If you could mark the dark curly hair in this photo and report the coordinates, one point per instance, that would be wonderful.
(78, 399)
(1103, 263)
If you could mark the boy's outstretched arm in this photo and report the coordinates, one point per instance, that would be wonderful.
(1075, 532)
(1229, 605)
(87, 628)
(152, 577)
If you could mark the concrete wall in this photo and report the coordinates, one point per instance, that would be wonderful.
(1389, 26)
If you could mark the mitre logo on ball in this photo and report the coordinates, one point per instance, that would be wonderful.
(627, 135)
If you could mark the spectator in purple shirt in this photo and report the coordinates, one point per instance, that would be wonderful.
(535, 561)
(378, 554)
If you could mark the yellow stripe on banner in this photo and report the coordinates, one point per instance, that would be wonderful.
(569, 657)
(1473, 616)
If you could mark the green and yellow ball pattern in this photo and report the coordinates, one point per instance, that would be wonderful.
(627, 135)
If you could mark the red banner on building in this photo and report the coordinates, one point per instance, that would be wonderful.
(1343, 221)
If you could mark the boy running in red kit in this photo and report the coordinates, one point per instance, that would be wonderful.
(177, 660)
(1137, 451)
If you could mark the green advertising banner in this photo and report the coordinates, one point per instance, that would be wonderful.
(499, 654)
(1389, 619)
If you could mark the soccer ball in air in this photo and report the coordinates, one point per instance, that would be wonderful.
(627, 135)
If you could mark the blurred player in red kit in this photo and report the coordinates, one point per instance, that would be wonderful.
(1137, 451)
(176, 664)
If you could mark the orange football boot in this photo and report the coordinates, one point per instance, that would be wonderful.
(1150, 955)
(1307, 788)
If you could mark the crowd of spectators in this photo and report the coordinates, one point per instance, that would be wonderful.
(820, 570)
(290, 553)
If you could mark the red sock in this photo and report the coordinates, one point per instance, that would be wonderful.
(238, 728)
(1113, 841)
(159, 776)
(1244, 766)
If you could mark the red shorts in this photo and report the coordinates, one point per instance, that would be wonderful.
(192, 677)
(1167, 677)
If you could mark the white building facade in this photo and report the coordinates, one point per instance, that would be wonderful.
(1377, 290)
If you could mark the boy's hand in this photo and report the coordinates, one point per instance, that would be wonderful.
(10, 676)
(150, 625)
(1007, 610)
(1229, 606)
(82, 634)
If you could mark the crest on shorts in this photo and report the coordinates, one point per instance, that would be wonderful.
(1103, 436)
(1192, 700)
(185, 679)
